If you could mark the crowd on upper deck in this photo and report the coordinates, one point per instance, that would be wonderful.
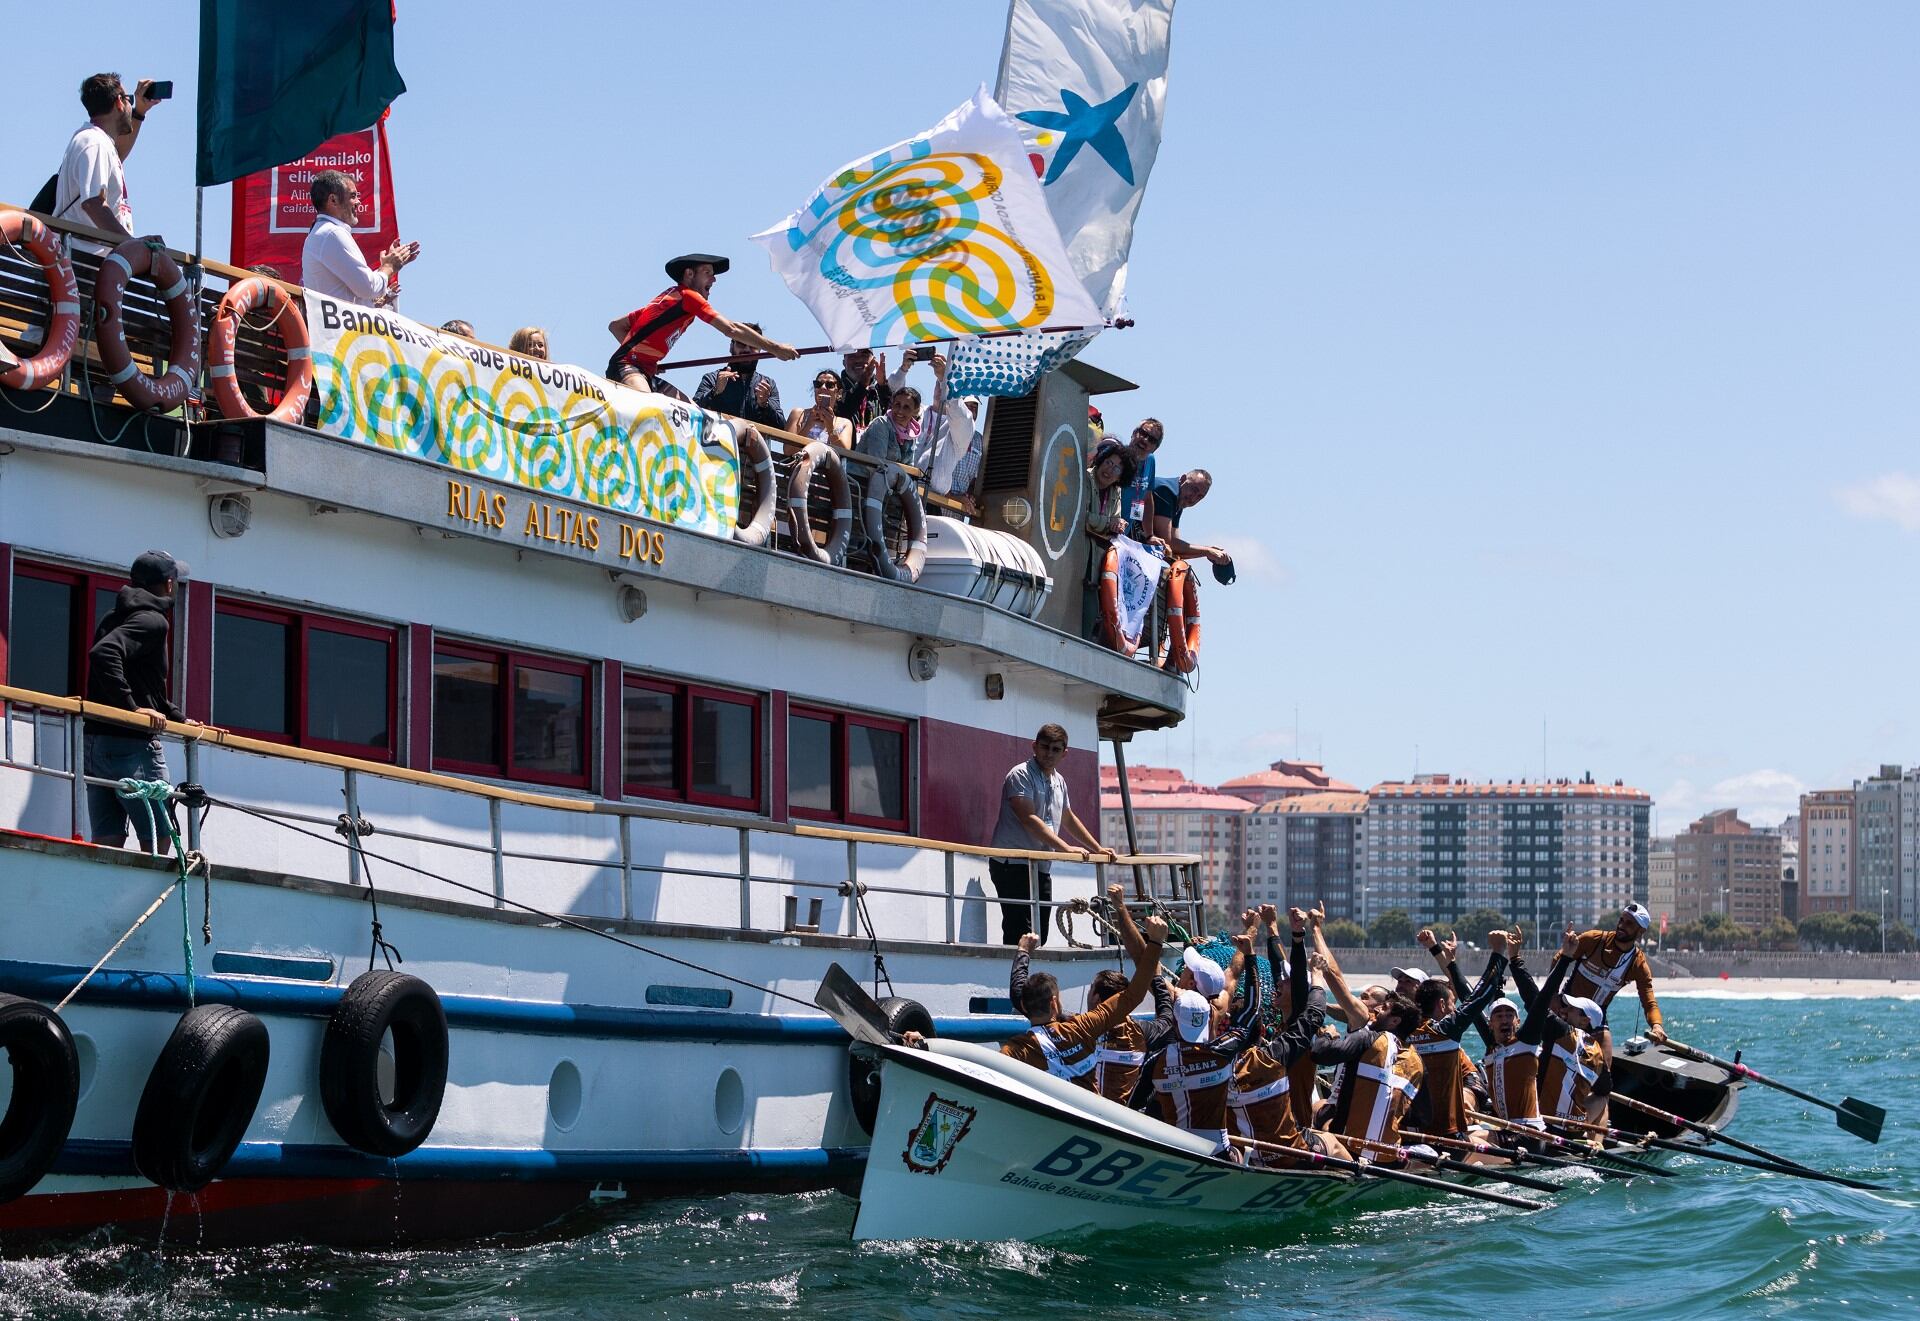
(864, 405)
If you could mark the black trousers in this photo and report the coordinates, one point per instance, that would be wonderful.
(1009, 876)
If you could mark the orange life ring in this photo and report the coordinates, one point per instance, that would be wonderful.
(19, 228)
(173, 387)
(239, 300)
(800, 485)
(1183, 619)
(1110, 604)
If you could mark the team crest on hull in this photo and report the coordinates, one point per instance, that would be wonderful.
(942, 1124)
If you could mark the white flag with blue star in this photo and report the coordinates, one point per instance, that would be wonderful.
(1087, 82)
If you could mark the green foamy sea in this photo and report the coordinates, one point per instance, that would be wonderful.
(1720, 1240)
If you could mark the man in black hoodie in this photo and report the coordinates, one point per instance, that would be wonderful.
(127, 668)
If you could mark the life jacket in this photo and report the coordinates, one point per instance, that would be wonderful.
(1118, 1060)
(1074, 1063)
(1443, 1068)
(1567, 1073)
(1192, 1082)
(1260, 1101)
(1601, 974)
(1511, 1072)
(1383, 1082)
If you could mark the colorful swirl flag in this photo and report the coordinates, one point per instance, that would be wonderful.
(945, 234)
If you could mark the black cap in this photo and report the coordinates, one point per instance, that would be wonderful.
(680, 263)
(1223, 572)
(155, 567)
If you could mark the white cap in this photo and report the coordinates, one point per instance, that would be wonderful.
(1580, 1004)
(1505, 1002)
(1639, 913)
(1410, 974)
(1193, 1016)
(1209, 978)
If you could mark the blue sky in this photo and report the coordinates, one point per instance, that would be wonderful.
(1556, 363)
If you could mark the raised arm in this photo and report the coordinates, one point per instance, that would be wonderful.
(1017, 980)
(1296, 964)
(1540, 1009)
(1129, 934)
(745, 334)
(1343, 999)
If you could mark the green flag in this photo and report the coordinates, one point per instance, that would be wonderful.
(277, 79)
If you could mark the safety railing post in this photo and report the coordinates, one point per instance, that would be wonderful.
(1033, 894)
(352, 792)
(77, 763)
(853, 887)
(193, 777)
(746, 880)
(499, 858)
(1100, 886)
(626, 868)
(949, 901)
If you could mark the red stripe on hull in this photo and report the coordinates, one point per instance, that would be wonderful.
(342, 1212)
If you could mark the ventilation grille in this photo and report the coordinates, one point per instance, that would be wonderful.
(1010, 429)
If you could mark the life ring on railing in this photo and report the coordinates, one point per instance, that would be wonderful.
(1110, 604)
(171, 388)
(374, 1005)
(863, 1074)
(756, 530)
(1183, 619)
(893, 480)
(200, 1097)
(819, 454)
(239, 300)
(46, 1088)
(17, 227)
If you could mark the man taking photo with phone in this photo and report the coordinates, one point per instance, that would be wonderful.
(91, 187)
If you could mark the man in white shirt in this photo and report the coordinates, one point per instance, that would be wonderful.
(92, 184)
(330, 261)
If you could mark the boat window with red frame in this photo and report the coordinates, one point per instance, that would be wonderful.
(309, 680)
(54, 613)
(691, 744)
(848, 767)
(512, 715)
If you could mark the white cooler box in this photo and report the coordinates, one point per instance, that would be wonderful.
(977, 562)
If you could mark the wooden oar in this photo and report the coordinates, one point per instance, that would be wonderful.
(1589, 1153)
(1459, 1167)
(1366, 1170)
(1712, 1134)
(1700, 1149)
(1517, 1155)
(1857, 1117)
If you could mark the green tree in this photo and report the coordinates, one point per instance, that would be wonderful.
(1900, 939)
(1391, 928)
(1474, 926)
(1345, 934)
(1822, 931)
(1862, 932)
(1778, 934)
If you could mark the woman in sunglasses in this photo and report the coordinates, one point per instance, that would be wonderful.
(819, 421)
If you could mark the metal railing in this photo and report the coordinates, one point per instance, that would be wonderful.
(1166, 883)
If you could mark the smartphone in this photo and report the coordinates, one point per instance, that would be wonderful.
(160, 91)
(923, 353)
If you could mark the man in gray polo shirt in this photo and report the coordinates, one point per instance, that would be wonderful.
(1035, 814)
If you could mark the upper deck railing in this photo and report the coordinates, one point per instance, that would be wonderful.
(583, 857)
(26, 312)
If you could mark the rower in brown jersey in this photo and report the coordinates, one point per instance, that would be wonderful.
(1065, 1047)
(1112, 1067)
(1440, 1106)
(1259, 1097)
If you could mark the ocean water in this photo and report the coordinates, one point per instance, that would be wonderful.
(1718, 1241)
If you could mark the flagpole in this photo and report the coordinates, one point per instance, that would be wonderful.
(911, 344)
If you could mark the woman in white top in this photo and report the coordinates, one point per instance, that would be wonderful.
(818, 421)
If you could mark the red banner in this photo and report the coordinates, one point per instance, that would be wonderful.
(273, 210)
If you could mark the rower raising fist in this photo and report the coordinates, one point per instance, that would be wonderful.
(1029, 942)
(1569, 942)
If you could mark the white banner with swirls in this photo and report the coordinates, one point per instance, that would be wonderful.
(382, 380)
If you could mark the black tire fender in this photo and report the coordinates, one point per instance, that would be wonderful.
(46, 1089)
(200, 1097)
(863, 1075)
(375, 1004)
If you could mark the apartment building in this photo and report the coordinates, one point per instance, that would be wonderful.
(1826, 851)
(1307, 849)
(1723, 865)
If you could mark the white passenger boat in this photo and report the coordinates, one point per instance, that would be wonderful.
(618, 779)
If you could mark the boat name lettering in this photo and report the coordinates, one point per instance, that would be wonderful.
(545, 521)
(1165, 1181)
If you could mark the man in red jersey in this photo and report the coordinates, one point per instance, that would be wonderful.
(647, 333)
